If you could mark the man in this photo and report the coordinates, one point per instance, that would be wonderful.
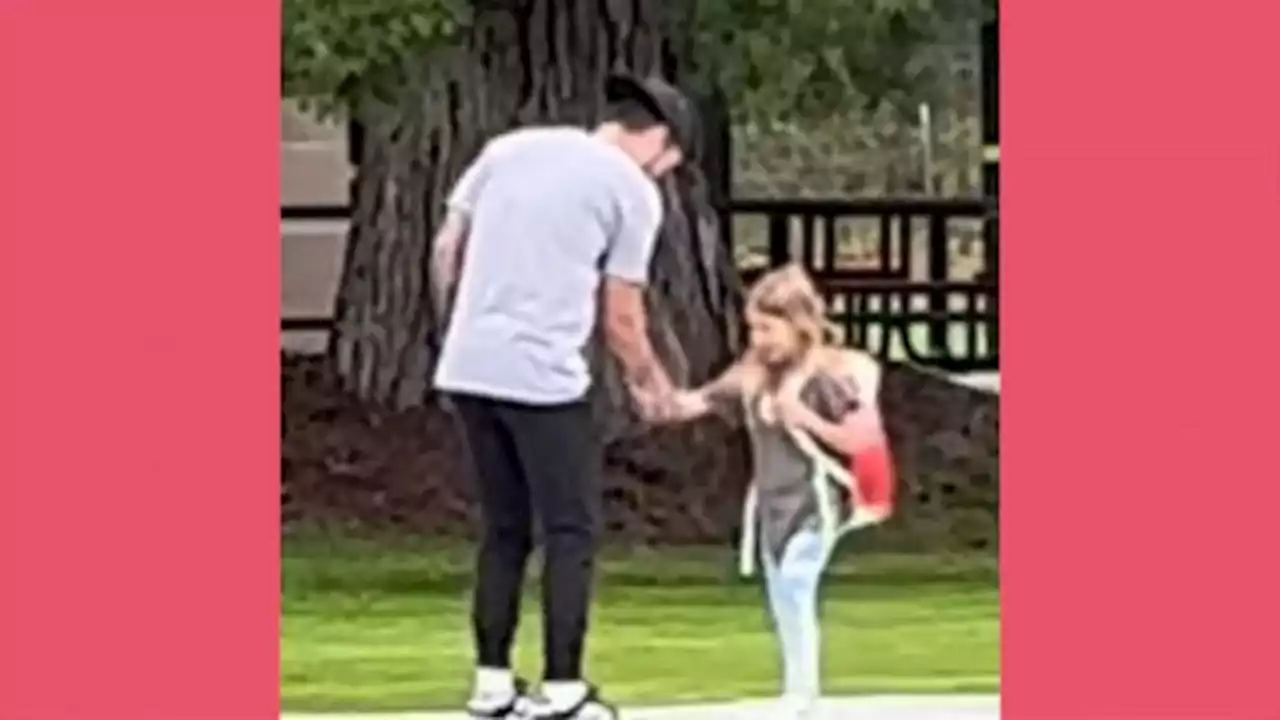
(540, 221)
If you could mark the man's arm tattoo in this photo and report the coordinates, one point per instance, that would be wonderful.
(648, 376)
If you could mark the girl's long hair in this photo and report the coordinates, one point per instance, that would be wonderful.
(790, 295)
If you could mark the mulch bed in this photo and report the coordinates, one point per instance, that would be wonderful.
(355, 469)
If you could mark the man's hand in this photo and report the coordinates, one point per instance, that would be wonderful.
(652, 408)
(626, 333)
(653, 396)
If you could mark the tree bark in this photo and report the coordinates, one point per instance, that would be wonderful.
(543, 62)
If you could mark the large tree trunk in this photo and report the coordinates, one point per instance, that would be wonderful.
(541, 62)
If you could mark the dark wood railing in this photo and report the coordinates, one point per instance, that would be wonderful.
(927, 292)
(918, 297)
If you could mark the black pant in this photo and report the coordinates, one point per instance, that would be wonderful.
(528, 459)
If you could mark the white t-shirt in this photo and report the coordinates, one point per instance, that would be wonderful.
(551, 209)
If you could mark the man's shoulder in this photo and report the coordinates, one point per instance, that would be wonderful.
(565, 146)
(593, 163)
(631, 182)
(540, 136)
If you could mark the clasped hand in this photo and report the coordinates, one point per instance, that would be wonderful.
(670, 405)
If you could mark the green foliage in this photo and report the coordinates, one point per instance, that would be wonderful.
(779, 59)
(775, 58)
(341, 54)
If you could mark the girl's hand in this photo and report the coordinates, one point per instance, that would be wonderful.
(794, 413)
(849, 435)
(683, 405)
(689, 404)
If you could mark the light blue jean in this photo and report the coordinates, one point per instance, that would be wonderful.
(792, 585)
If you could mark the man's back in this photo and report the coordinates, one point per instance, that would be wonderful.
(550, 209)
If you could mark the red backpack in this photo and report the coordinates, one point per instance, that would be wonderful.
(869, 474)
(873, 482)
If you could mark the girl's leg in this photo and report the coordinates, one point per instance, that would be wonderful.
(799, 574)
(784, 619)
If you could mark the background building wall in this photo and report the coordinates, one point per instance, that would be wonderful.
(313, 171)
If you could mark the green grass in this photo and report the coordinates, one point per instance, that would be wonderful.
(385, 626)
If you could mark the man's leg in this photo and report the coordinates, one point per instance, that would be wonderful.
(560, 455)
(507, 539)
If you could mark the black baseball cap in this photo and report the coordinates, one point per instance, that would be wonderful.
(668, 104)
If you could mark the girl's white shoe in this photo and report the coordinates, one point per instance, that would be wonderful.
(796, 707)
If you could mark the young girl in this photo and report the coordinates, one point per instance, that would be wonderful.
(811, 410)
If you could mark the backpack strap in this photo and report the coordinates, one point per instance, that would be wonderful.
(827, 471)
(865, 371)
(748, 545)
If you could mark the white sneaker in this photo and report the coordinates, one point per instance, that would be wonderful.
(796, 707)
(591, 707)
(498, 706)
